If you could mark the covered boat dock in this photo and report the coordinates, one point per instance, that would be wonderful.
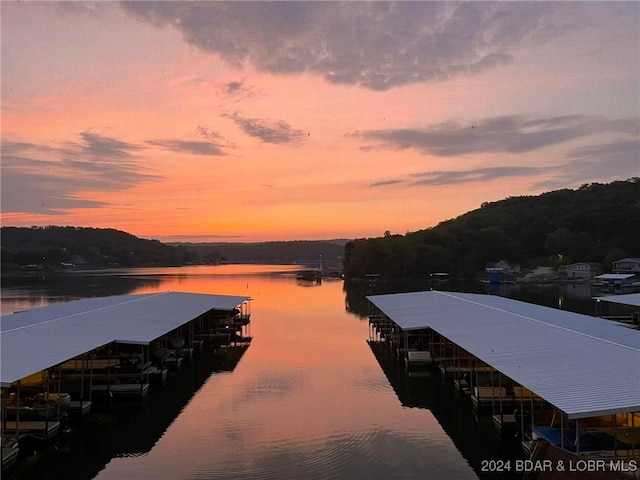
(560, 376)
(622, 308)
(106, 344)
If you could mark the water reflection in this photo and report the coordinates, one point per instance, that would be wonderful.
(474, 437)
(357, 291)
(38, 289)
(121, 430)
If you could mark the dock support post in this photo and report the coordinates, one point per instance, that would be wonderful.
(493, 402)
(521, 419)
(18, 409)
(615, 436)
(82, 383)
(406, 343)
(633, 429)
(59, 391)
(142, 361)
(499, 399)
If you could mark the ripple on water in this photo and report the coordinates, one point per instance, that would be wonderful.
(369, 454)
(369, 382)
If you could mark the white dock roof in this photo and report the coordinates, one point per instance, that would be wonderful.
(632, 299)
(615, 276)
(41, 338)
(584, 366)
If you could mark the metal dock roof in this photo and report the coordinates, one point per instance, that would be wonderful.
(38, 339)
(584, 366)
(632, 299)
(615, 276)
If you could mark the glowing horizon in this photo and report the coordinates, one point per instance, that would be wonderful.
(261, 121)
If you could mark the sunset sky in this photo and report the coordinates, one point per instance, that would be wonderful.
(263, 121)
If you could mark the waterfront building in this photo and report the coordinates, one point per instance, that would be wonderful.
(627, 265)
(583, 270)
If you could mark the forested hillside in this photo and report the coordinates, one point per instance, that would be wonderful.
(49, 247)
(300, 251)
(595, 223)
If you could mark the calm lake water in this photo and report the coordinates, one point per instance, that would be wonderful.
(310, 398)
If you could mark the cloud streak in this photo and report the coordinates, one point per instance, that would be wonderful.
(508, 134)
(99, 146)
(476, 175)
(59, 177)
(269, 131)
(47, 194)
(190, 147)
(603, 162)
(384, 183)
(458, 177)
(514, 135)
(377, 45)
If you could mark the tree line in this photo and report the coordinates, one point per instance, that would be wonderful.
(594, 223)
(53, 246)
(325, 252)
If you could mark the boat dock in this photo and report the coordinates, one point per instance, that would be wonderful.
(60, 361)
(536, 373)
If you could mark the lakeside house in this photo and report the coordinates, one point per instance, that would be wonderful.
(584, 270)
(498, 271)
(627, 265)
(502, 266)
